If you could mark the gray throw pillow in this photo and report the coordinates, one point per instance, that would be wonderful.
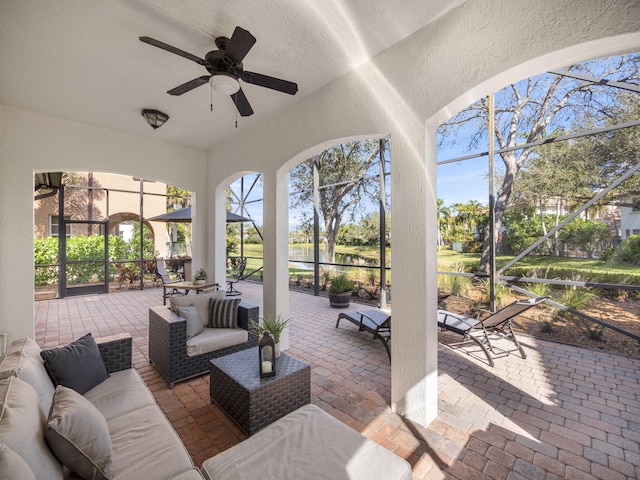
(79, 365)
(78, 435)
(192, 317)
(224, 313)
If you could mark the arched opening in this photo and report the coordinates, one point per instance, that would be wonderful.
(110, 239)
(558, 176)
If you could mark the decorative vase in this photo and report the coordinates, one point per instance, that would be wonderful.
(340, 300)
(199, 282)
(277, 349)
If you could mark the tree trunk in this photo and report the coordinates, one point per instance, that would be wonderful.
(502, 198)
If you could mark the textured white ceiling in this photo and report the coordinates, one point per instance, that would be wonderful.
(81, 60)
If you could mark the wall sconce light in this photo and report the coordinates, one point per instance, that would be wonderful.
(155, 118)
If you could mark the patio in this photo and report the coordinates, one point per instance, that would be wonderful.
(565, 412)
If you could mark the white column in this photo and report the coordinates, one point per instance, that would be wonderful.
(276, 248)
(216, 237)
(414, 369)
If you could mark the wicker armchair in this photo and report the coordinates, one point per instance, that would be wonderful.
(168, 343)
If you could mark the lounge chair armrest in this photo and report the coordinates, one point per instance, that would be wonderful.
(481, 311)
(362, 316)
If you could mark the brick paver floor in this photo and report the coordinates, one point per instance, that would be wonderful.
(565, 412)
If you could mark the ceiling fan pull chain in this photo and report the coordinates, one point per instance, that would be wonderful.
(211, 93)
(236, 102)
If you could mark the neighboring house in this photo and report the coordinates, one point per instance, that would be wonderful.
(123, 207)
(630, 219)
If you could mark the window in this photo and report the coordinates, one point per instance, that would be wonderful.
(54, 222)
(635, 205)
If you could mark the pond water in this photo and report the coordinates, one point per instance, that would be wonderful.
(298, 256)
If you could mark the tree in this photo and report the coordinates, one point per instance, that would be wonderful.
(344, 183)
(590, 236)
(553, 178)
(177, 199)
(529, 109)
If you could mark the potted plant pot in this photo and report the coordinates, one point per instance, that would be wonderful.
(340, 300)
(340, 291)
(275, 326)
(200, 277)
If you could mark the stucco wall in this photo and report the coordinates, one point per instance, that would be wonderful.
(30, 142)
(404, 92)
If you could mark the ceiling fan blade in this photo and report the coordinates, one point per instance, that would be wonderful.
(169, 48)
(270, 82)
(190, 85)
(239, 45)
(242, 104)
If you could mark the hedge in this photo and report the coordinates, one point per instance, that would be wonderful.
(85, 248)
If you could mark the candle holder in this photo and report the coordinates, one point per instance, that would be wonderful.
(267, 355)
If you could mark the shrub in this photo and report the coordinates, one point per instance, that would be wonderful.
(341, 284)
(90, 250)
(630, 250)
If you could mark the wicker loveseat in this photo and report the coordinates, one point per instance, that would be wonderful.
(176, 357)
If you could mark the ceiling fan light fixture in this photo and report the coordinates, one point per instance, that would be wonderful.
(155, 118)
(225, 84)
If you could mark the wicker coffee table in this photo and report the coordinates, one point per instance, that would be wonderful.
(253, 403)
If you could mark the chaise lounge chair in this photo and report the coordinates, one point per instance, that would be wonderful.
(376, 322)
(498, 322)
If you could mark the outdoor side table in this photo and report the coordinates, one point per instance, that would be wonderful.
(253, 403)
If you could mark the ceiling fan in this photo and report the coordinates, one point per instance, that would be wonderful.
(226, 68)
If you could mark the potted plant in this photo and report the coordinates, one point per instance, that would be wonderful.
(340, 291)
(200, 277)
(275, 326)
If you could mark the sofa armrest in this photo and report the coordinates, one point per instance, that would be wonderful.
(116, 351)
(246, 313)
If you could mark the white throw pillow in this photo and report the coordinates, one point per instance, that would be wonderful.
(78, 435)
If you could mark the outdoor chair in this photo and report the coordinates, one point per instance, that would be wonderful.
(162, 273)
(477, 330)
(236, 275)
(376, 322)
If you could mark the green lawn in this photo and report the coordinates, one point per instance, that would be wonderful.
(549, 267)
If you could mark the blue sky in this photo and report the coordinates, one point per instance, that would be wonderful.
(457, 183)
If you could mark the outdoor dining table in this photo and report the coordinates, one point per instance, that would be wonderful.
(188, 286)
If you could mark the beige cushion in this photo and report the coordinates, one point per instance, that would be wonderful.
(214, 339)
(13, 465)
(146, 447)
(22, 430)
(193, 474)
(311, 444)
(200, 301)
(79, 436)
(23, 361)
(121, 393)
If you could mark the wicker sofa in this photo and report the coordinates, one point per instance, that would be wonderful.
(175, 356)
(141, 441)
